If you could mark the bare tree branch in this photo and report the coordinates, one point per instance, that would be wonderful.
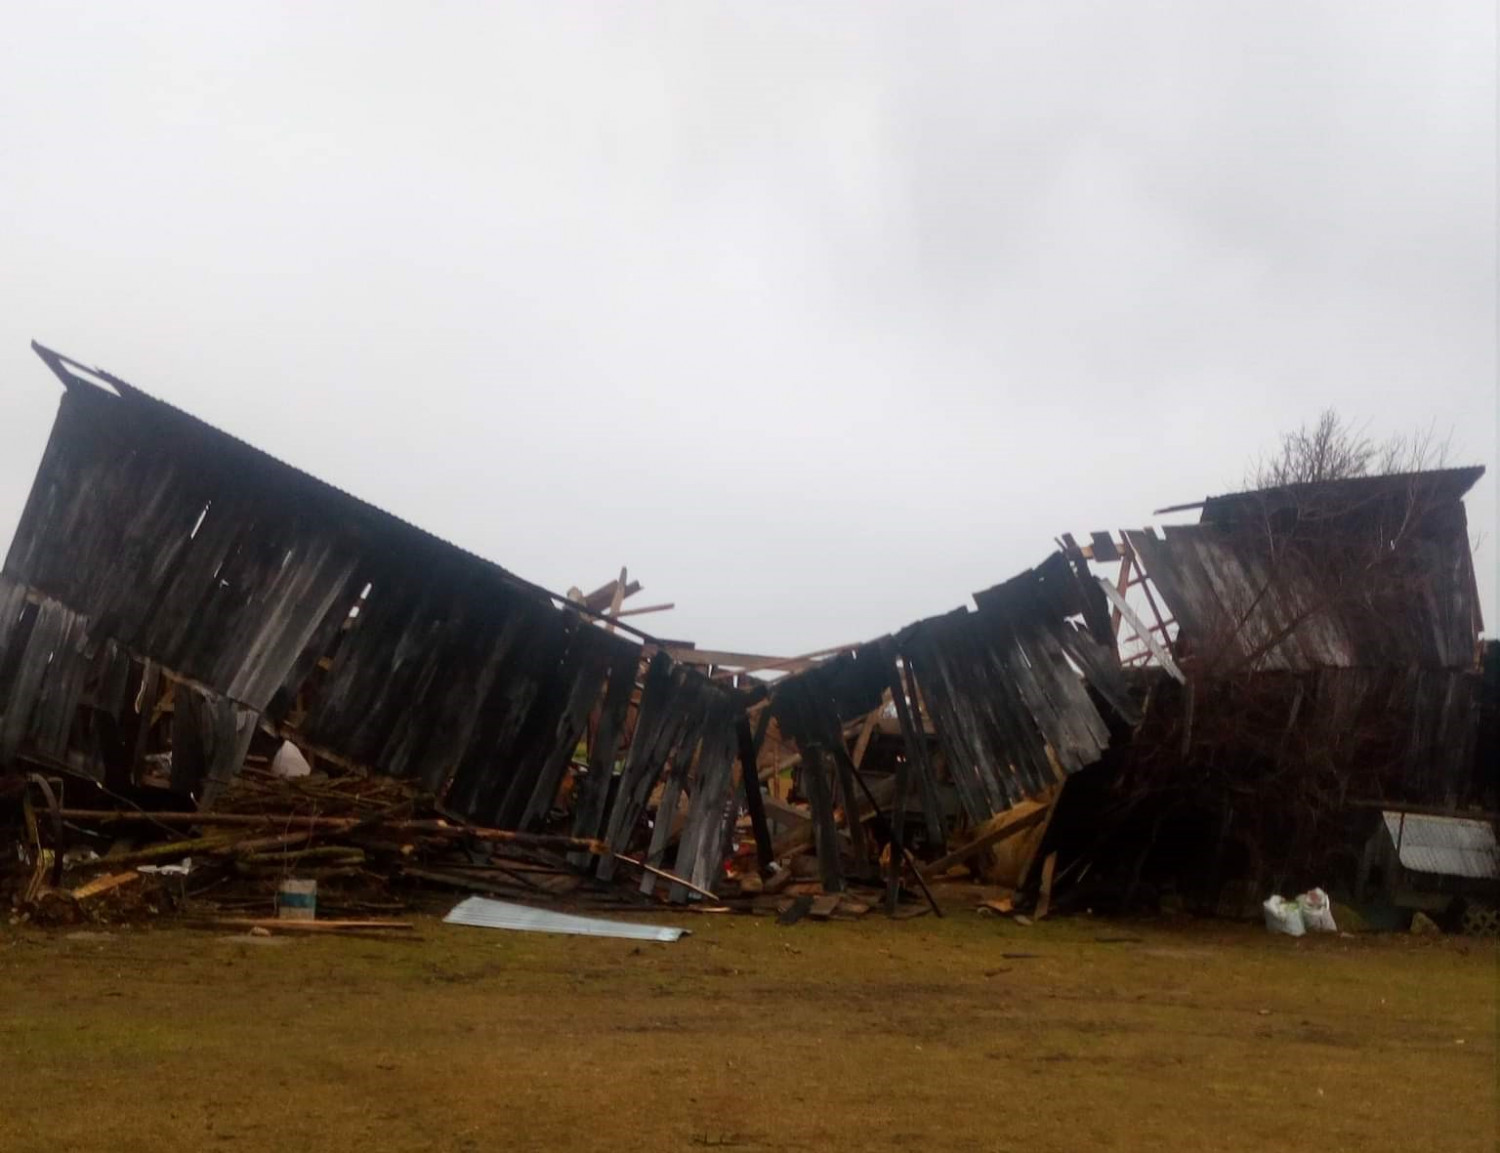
(1333, 448)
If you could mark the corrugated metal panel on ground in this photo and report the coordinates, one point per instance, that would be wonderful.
(486, 913)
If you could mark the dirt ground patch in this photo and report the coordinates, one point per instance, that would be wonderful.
(749, 1035)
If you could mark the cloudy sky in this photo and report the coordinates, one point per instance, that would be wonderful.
(819, 317)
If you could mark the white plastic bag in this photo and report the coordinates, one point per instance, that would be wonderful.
(1317, 912)
(1283, 916)
(289, 762)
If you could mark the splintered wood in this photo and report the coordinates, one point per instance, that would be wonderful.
(369, 842)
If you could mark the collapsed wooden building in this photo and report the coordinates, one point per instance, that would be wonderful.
(1327, 643)
(177, 604)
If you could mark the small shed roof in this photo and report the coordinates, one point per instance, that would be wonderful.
(1450, 846)
(1440, 484)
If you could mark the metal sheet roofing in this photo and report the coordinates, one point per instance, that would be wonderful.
(1449, 846)
(485, 913)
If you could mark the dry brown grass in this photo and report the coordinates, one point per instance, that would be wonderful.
(868, 1036)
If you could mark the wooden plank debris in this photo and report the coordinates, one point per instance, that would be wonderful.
(1145, 634)
(749, 745)
(1044, 900)
(815, 776)
(1023, 816)
(794, 910)
(1104, 550)
(103, 884)
(824, 906)
(278, 925)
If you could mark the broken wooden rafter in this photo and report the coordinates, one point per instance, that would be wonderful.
(616, 599)
(753, 662)
(601, 599)
(1017, 819)
(286, 925)
(103, 885)
(1044, 901)
(643, 610)
(1146, 634)
(1028, 862)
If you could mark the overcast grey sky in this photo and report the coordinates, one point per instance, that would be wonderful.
(818, 316)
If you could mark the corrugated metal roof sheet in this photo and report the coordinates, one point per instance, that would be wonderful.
(484, 913)
(1449, 846)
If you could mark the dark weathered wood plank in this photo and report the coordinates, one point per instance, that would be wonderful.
(750, 781)
(825, 830)
(593, 793)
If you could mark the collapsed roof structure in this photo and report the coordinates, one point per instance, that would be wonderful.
(1329, 635)
(175, 598)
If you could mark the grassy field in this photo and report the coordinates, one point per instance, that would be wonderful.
(961, 1034)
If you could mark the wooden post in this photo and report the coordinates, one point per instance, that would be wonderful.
(915, 739)
(1127, 558)
(616, 601)
(754, 802)
(898, 836)
(867, 730)
(1044, 902)
(849, 800)
(1161, 624)
(825, 831)
(926, 781)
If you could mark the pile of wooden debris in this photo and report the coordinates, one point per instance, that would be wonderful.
(374, 845)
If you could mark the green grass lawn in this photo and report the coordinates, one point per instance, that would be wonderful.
(861, 1036)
